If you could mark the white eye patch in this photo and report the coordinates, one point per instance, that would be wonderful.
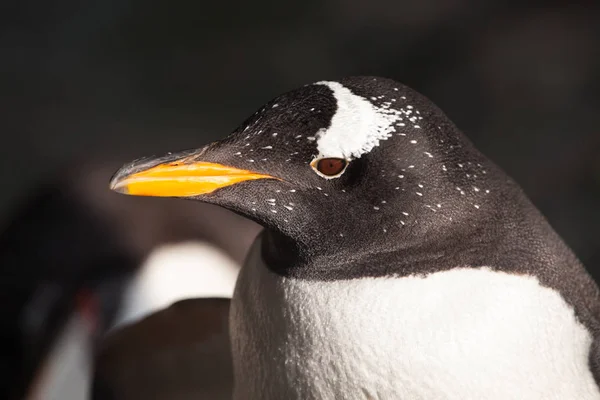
(356, 127)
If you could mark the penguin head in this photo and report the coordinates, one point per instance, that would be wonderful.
(331, 165)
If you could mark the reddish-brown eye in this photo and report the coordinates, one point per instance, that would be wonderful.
(331, 166)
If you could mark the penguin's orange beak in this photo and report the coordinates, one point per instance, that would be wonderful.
(178, 177)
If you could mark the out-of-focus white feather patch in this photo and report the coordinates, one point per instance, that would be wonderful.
(177, 272)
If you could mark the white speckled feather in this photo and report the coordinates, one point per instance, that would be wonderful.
(467, 333)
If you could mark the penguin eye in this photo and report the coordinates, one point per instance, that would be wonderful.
(329, 167)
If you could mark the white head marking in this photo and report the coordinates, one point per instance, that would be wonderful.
(357, 125)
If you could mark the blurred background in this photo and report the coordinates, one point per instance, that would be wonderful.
(120, 79)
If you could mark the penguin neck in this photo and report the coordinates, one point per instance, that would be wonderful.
(286, 257)
(468, 239)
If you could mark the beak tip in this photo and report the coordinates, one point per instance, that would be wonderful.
(115, 187)
(119, 189)
(116, 183)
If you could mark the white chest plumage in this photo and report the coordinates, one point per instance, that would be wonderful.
(461, 334)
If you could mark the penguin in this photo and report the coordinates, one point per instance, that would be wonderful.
(85, 270)
(396, 260)
(172, 320)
